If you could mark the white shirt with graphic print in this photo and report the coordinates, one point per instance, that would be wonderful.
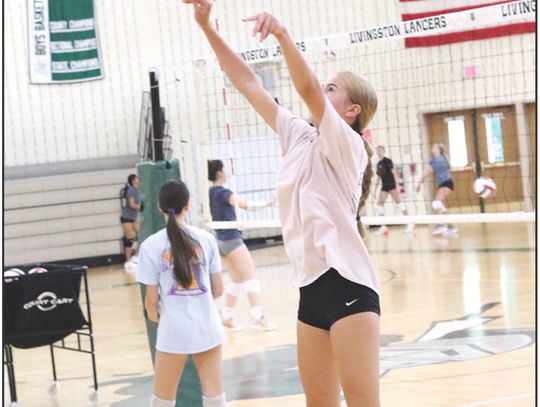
(189, 321)
(319, 185)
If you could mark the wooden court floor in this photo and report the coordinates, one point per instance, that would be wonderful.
(458, 329)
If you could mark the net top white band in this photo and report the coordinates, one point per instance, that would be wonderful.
(489, 16)
(503, 217)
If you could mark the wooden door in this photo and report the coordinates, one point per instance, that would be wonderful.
(464, 174)
(502, 165)
(490, 137)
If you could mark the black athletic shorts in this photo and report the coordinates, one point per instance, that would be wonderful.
(332, 297)
(388, 187)
(449, 183)
(126, 220)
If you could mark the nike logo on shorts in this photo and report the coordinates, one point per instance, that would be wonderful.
(351, 302)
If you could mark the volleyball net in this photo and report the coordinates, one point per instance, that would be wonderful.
(463, 80)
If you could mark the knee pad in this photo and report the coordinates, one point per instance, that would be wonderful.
(217, 401)
(156, 402)
(235, 289)
(252, 286)
(438, 205)
(379, 210)
(127, 242)
(402, 207)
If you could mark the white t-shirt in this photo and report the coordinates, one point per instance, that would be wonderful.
(189, 322)
(319, 186)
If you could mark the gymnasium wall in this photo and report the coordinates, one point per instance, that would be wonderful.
(50, 125)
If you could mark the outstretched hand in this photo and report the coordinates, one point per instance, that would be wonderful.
(202, 10)
(265, 24)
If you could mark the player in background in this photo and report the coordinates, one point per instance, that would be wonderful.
(439, 165)
(388, 179)
(236, 257)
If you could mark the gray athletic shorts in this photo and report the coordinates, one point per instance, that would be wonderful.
(227, 246)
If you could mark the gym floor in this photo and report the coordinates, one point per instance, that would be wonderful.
(458, 329)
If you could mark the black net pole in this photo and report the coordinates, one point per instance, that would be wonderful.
(156, 114)
(478, 163)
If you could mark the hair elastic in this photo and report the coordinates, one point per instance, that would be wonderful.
(171, 211)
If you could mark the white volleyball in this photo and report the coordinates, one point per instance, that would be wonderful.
(484, 187)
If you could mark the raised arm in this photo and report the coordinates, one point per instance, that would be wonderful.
(239, 73)
(305, 82)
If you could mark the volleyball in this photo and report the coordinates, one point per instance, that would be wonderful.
(37, 270)
(12, 275)
(484, 187)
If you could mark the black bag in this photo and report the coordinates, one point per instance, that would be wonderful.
(40, 309)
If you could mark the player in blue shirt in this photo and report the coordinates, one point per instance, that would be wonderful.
(440, 166)
(129, 219)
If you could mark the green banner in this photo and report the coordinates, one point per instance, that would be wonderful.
(63, 41)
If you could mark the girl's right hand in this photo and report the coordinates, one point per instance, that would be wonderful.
(202, 10)
(265, 24)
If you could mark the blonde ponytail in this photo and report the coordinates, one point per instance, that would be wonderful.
(362, 93)
(366, 184)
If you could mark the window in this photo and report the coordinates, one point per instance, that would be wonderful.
(457, 144)
(494, 137)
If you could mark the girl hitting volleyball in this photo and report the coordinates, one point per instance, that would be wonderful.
(387, 178)
(181, 269)
(322, 183)
(440, 166)
(235, 253)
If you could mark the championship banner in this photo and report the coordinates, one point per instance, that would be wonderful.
(63, 41)
(502, 14)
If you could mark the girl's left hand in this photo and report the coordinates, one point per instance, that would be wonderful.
(265, 24)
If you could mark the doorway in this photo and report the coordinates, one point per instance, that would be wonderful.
(480, 142)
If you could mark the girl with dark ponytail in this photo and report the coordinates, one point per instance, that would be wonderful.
(181, 269)
(322, 186)
(173, 198)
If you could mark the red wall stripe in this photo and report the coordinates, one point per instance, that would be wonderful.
(407, 17)
(482, 34)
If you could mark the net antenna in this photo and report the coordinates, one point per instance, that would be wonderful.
(228, 130)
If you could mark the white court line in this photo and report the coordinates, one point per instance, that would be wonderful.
(480, 403)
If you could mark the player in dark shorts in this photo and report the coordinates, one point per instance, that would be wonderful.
(235, 254)
(439, 166)
(129, 219)
(386, 176)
